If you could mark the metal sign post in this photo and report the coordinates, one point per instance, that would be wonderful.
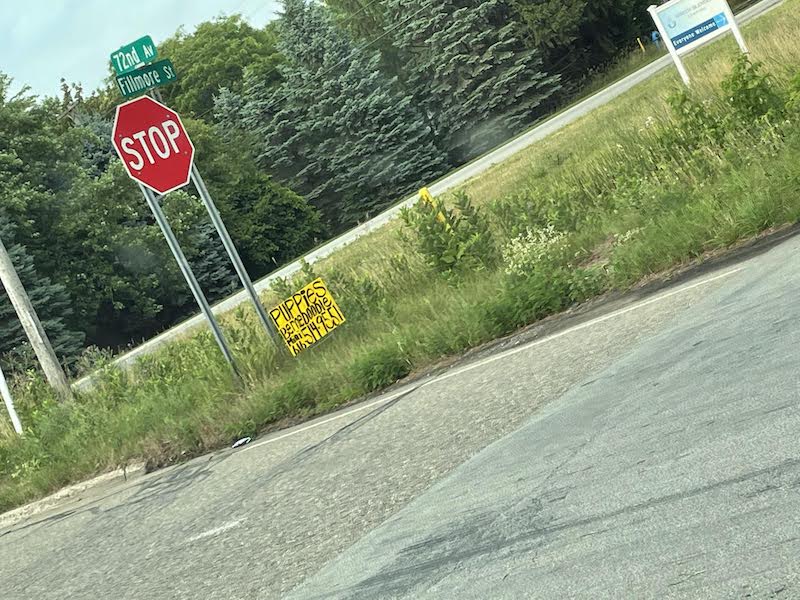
(197, 291)
(244, 277)
(12, 412)
(676, 58)
(737, 33)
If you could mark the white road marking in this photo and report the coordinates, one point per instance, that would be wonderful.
(499, 356)
(580, 326)
(216, 531)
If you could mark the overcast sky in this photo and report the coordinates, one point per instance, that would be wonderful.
(42, 41)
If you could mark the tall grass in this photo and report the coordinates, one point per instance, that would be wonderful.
(645, 183)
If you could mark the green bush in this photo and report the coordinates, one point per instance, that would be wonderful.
(751, 93)
(358, 295)
(588, 282)
(454, 239)
(380, 366)
(521, 301)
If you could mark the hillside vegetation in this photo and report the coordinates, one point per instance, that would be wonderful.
(303, 128)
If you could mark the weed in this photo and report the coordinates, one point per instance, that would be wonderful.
(451, 239)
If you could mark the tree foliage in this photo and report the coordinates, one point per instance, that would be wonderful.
(269, 222)
(577, 36)
(217, 54)
(337, 129)
(51, 302)
(469, 68)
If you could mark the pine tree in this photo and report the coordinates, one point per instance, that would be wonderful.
(97, 149)
(337, 130)
(577, 36)
(52, 305)
(469, 67)
(210, 262)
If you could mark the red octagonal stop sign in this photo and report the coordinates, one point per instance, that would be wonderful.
(153, 145)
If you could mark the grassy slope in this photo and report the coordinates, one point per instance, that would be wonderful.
(771, 41)
(181, 401)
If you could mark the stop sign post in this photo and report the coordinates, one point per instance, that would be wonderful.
(153, 144)
(157, 153)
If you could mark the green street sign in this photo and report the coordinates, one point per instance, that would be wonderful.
(148, 77)
(134, 55)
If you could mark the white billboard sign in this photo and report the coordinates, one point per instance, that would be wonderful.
(686, 24)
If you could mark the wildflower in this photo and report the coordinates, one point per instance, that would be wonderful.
(522, 254)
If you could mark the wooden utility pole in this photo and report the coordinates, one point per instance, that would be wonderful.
(32, 326)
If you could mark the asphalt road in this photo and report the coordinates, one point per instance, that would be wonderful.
(673, 472)
(453, 180)
(645, 452)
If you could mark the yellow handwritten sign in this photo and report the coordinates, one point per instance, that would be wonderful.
(307, 317)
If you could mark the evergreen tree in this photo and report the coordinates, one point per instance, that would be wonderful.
(98, 151)
(366, 21)
(268, 222)
(211, 263)
(51, 302)
(469, 67)
(577, 36)
(337, 130)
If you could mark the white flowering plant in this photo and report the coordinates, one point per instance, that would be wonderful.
(524, 253)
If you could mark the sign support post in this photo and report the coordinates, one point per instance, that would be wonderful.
(244, 277)
(33, 326)
(12, 412)
(670, 46)
(737, 33)
(197, 291)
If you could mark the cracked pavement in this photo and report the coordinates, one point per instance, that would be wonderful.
(672, 473)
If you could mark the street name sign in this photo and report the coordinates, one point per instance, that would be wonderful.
(144, 79)
(153, 144)
(134, 55)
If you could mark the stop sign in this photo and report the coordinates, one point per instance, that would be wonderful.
(153, 145)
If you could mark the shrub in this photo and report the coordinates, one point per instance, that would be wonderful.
(380, 366)
(750, 93)
(451, 239)
(696, 123)
(588, 282)
(358, 295)
(523, 300)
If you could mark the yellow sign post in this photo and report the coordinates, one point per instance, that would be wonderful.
(307, 317)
